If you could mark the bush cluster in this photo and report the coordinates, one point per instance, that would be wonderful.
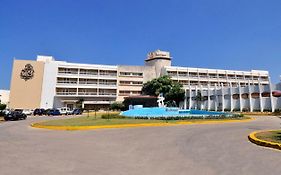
(192, 117)
(112, 116)
(267, 110)
(2, 106)
(116, 106)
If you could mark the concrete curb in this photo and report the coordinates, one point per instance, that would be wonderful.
(75, 128)
(252, 137)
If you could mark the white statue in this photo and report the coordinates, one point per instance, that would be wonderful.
(160, 100)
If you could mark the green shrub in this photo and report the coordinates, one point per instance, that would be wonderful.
(3, 106)
(117, 106)
(236, 110)
(246, 109)
(112, 116)
(191, 117)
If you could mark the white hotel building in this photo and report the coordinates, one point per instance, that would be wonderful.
(47, 83)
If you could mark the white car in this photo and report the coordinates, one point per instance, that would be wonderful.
(65, 111)
(27, 111)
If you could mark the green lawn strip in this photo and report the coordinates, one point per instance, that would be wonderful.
(97, 121)
(91, 121)
(272, 136)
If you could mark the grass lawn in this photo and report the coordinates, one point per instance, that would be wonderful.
(92, 121)
(98, 121)
(272, 136)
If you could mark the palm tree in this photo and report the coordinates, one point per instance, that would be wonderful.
(199, 98)
(79, 103)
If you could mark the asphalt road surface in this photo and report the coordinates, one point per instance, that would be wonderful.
(212, 149)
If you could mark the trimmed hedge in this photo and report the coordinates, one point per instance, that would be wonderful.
(112, 116)
(117, 116)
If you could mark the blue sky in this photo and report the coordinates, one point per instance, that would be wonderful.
(225, 34)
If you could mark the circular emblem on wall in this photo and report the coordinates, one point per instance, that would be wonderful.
(27, 73)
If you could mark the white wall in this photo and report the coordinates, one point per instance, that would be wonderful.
(4, 96)
(49, 85)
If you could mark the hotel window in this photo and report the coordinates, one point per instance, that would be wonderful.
(136, 92)
(183, 82)
(212, 97)
(107, 82)
(137, 82)
(65, 91)
(203, 75)
(255, 77)
(124, 82)
(194, 83)
(214, 83)
(204, 83)
(231, 77)
(67, 71)
(88, 81)
(123, 93)
(137, 74)
(88, 72)
(67, 81)
(124, 73)
(107, 73)
(107, 92)
(234, 84)
(214, 76)
(193, 74)
(264, 78)
(223, 76)
(87, 92)
(240, 77)
(183, 74)
(172, 73)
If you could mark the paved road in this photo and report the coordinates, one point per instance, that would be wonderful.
(215, 149)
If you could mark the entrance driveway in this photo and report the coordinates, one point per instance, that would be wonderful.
(211, 149)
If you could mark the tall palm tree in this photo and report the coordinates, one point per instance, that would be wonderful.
(199, 99)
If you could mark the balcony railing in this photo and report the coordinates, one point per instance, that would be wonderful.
(87, 83)
(67, 72)
(240, 78)
(203, 76)
(82, 83)
(107, 84)
(66, 93)
(87, 93)
(173, 75)
(264, 79)
(108, 75)
(193, 76)
(107, 93)
(88, 74)
(67, 82)
(213, 77)
(124, 94)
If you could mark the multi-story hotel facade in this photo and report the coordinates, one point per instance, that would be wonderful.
(47, 83)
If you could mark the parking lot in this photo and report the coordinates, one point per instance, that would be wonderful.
(191, 149)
